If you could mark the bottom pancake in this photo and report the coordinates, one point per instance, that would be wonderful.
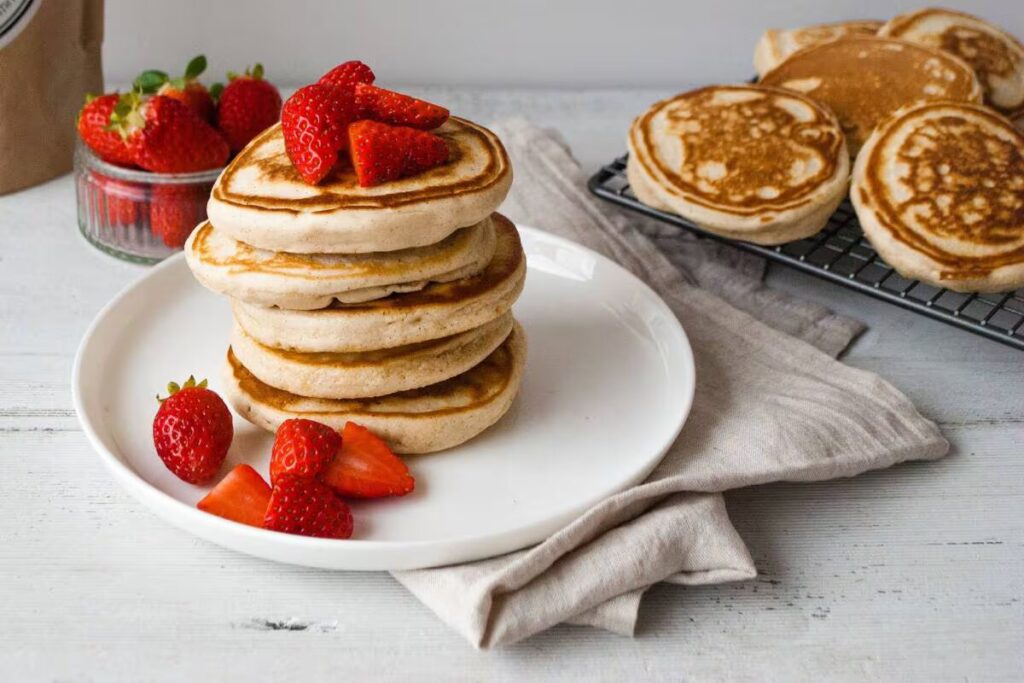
(424, 420)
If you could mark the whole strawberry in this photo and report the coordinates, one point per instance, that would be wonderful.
(166, 136)
(246, 107)
(175, 210)
(347, 75)
(94, 129)
(381, 153)
(185, 88)
(119, 200)
(307, 508)
(302, 448)
(314, 122)
(192, 431)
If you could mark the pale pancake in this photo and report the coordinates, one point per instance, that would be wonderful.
(995, 55)
(438, 310)
(777, 44)
(422, 420)
(260, 199)
(865, 80)
(748, 162)
(308, 281)
(939, 192)
(1017, 117)
(369, 373)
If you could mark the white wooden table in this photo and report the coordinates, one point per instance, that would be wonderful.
(911, 573)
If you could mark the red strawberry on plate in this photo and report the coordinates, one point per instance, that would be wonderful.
(246, 107)
(302, 448)
(381, 152)
(192, 431)
(366, 468)
(307, 508)
(94, 129)
(186, 88)
(348, 74)
(397, 109)
(314, 121)
(175, 211)
(166, 136)
(242, 496)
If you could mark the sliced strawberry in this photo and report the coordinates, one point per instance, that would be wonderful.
(302, 448)
(366, 468)
(307, 508)
(347, 75)
(314, 121)
(381, 152)
(397, 109)
(241, 496)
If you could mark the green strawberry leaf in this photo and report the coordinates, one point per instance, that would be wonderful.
(195, 67)
(257, 71)
(150, 81)
(215, 90)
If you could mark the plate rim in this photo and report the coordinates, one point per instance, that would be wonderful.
(206, 526)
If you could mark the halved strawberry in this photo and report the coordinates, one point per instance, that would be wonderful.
(241, 496)
(302, 448)
(381, 152)
(347, 75)
(366, 468)
(314, 121)
(397, 109)
(307, 508)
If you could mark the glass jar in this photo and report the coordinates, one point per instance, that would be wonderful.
(136, 215)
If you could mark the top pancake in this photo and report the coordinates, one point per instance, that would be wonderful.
(777, 44)
(995, 55)
(260, 199)
(865, 80)
(939, 191)
(739, 158)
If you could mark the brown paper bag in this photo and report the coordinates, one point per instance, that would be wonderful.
(49, 60)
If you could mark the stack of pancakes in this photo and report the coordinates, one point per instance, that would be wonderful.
(389, 305)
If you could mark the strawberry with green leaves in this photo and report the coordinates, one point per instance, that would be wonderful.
(94, 129)
(246, 106)
(192, 431)
(185, 88)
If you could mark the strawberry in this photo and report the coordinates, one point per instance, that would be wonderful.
(381, 152)
(314, 121)
(192, 431)
(397, 109)
(118, 200)
(186, 88)
(302, 448)
(246, 107)
(94, 129)
(165, 136)
(347, 75)
(307, 508)
(175, 210)
(366, 468)
(242, 496)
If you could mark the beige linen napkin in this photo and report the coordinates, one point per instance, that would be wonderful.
(771, 404)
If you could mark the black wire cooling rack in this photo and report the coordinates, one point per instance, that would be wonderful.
(840, 253)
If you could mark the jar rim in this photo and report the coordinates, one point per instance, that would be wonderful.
(93, 162)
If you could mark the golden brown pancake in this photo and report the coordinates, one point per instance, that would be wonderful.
(755, 163)
(777, 44)
(260, 199)
(939, 192)
(996, 56)
(422, 420)
(865, 80)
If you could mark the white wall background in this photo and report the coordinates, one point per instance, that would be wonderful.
(533, 43)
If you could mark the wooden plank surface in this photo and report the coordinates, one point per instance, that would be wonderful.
(912, 573)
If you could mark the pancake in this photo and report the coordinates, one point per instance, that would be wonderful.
(1017, 117)
(748, 162)
(996, 56)
(777, 44)
(308, 281)
(260, 199)
(418, 421)
(438, 310)
(939, 191)
(865, 80)
(370, 373)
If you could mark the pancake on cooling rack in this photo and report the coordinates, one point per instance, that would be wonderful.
(747, 162)
(939, 192)
(864, 80)
(777, 44)
(995, 55)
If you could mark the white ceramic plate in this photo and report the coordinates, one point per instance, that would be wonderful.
(608, 384)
